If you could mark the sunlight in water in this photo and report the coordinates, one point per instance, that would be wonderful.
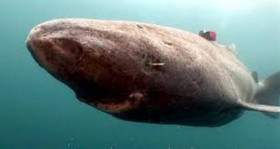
(227, 6)
(235, 5)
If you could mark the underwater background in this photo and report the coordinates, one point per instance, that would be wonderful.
(39, 112)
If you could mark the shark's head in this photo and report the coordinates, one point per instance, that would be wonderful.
(100, 63)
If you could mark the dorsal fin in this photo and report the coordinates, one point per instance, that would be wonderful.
(255, 76)
(232, 48)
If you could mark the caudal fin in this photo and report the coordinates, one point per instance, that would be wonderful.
(268, 95)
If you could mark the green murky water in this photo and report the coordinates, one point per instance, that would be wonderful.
(39, 112)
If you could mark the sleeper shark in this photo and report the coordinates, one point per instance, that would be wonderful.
(150, 73)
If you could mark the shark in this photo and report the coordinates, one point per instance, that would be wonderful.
(150, 73)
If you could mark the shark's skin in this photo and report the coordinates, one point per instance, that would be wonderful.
(144, 73)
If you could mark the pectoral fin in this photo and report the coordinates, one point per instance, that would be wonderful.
(271, 111)
(267, 97)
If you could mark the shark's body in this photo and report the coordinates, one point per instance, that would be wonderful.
(149, 73)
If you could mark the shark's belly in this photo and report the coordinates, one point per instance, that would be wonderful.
(183, 111)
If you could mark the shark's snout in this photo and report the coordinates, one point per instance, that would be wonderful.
(54, 49)
(51, 48)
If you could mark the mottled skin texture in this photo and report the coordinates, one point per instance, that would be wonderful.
(109, 65)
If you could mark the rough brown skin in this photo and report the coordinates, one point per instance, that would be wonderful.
(143, 72)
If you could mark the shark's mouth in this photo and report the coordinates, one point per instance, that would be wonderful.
(116, 103)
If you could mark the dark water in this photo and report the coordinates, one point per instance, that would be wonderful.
(39, 112)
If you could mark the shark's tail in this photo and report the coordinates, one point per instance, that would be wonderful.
(266, 99)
